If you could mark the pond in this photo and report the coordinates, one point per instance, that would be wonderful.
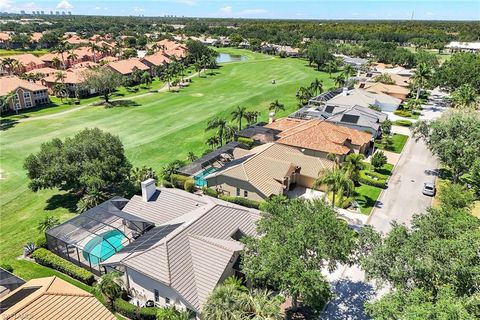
(227, 57)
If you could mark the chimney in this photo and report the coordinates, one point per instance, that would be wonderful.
(148, 189)
(345, 91)
(271, 117)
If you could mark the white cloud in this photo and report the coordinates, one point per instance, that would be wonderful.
(64, 4)
(138, 9)
(429, 14)
(226, 10)
(97, 8)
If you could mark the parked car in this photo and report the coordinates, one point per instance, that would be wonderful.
(429, 189)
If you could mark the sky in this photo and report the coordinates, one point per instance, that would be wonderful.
(266, 9)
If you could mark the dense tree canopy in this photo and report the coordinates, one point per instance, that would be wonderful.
(462, 68)
(300, 237)
(90, 160)
(103, 80)
(454, 138)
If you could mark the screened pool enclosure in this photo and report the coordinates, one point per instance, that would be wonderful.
(97, 234)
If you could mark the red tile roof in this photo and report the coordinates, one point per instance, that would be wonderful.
(126, 66)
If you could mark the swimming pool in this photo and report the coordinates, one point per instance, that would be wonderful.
(200, 178)
(103, 246)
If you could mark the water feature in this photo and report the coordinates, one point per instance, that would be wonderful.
(227, 57)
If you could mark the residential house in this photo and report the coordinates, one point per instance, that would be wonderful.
(72, 80)
(45, 72)
(156, 60)
(193, 247)
(75, 40)
(364, 98)
(319, 138)
(52, 298)
(267, 170)
(392, 90)
(357, 63)
(172, 48)
(455, 46)
(4, 38)
(126, 67)
(27, 62)
(25, 94)
(355, 117)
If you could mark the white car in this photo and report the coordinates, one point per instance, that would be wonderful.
(429, 189)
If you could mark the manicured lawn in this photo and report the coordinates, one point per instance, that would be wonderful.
(398, 142)
(5, 52)
(158, 128)
(366, 196)
(385, 170)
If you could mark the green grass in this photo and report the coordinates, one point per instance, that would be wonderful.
(366, 196)
(398, 142)
(5, 52)
(160, 128)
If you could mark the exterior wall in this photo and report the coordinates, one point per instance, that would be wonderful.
(229, 186)
(142, 288)
(305, 181)
(321, 154)
(25, 99)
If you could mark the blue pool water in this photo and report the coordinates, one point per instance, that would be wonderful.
(200, 178)
(226, 57)
(103, 246)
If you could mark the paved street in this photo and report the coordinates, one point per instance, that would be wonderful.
(399, 202)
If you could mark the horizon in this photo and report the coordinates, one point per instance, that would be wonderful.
(347, 10)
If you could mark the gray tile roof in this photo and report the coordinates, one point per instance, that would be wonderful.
(192, 256)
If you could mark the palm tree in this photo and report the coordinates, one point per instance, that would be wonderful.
(56, 62)
(336, 181)
(139, 174)
(276, 106)
(171, 168)
(238, 115)
(61, 48)
(110, 286)
(339, 80)
(5, 101)
(353, 165)
(47, 223)
(465, 97)
(262, 304)
(219, 124)
(226, 302)
(212, 142)
(72, 56)
(7, 63)
(348, 71)
(91, 199)
(93, 47)
(330, 67)
(191, 156)
(251, 116)
(316, 86)
(421, 77)
(303, 95)
(229, 132)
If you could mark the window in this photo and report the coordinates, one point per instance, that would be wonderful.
(167, 301)
(245, 193)
(26, 95)
(238, 192)
(157, 295)
(28, 104)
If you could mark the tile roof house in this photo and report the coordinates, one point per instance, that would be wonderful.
(319, 138)
(126, 67)
(365, 99)
(392, 90)
(193, 246)
(25, 94)
(172, 48)
(28, 61)
(52, 299)
(158, 59)
(73, 79)
(267, 170)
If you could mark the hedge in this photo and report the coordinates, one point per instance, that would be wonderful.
(130, 311)
(241, 201)
(189, 186)
(402, 113)
(179, 181)
(366, 177)
(246, 141)
(403, 123)
(51, 260)
(210, 192)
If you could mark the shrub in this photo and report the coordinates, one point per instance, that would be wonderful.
(167, 184)
(368, 178)
(41, 242)
(130, 311)
(51, 260)
(402, 113)
(210, 192)
(246, 141)
(241, 201)
(379, 159)
(178, 180)
(7, 267)
(403, 123)
(29, 248)
(189, 186)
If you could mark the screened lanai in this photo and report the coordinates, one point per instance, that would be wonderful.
(97, 234)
